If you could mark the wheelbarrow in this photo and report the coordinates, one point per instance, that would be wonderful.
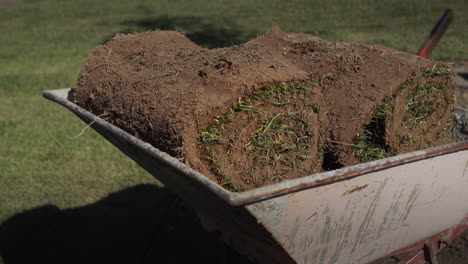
(413, 202)
(410, 205)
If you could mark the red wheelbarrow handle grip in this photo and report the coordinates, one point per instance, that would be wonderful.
(436, 33)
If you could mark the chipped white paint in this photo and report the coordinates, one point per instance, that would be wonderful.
(388, 210)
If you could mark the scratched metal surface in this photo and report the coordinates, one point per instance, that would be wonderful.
(367, 217)
(351, 215)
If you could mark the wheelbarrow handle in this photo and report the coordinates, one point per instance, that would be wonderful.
(436, 33)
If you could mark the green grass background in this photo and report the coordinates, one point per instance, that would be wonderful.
(44, 44)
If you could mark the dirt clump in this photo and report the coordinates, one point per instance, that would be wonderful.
(281, 106)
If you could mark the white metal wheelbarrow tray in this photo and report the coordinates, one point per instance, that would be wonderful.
(355, 214)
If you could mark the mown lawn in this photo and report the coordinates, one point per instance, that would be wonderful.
(44, 43)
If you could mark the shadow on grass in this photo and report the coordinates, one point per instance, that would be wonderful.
(208, 34)
(142, 224)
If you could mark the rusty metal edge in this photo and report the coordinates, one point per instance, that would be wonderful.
(61, 96)
(350, 172)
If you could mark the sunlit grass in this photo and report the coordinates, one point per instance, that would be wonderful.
(43, 162)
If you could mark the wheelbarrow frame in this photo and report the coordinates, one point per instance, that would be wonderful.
(354, 214)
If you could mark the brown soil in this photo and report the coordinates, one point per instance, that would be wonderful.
(281, 106)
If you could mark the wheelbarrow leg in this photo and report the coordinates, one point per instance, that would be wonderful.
(430, 250)
(427, 253)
